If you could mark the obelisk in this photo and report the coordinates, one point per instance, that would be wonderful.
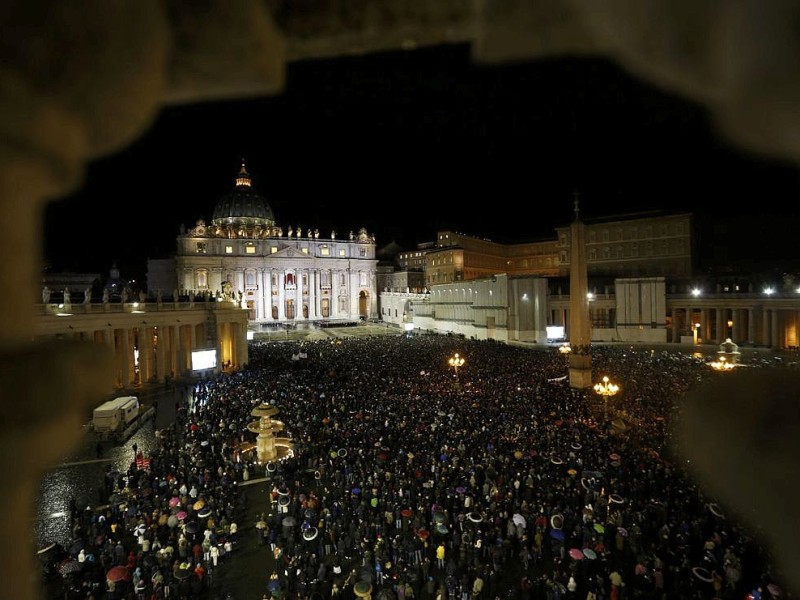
(580, 330)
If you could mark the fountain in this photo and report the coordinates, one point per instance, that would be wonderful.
(727, 356)
(268, 447)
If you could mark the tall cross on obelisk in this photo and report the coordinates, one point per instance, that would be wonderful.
(580, 330)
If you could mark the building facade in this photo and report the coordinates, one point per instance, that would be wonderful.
(150, 341)
(281, 275)
(642, 289)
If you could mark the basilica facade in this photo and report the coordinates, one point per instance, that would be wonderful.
(279, 274)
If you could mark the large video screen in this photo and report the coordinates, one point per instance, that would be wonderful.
(203, 360)
(555, 332)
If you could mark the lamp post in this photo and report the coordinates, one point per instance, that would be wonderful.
(606, 389)
(695, 330)
(456, 361)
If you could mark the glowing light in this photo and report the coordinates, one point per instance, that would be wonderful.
(769, 291)
(696, 292)
(606, 389)
(456, 361)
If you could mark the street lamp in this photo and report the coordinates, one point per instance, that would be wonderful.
(695, 331)
(456, 361)
(606, 389)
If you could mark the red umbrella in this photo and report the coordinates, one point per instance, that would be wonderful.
(406, 512)
(576, 553)
(118, 573)
(423, 534)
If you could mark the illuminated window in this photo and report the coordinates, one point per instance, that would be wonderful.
(341, 252)
(273, 249)
(304, 250)
(202, 280)
(250, 249)
(325, 251)
(201, 247)
(228, 249)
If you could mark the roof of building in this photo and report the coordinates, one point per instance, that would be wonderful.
(243, 205)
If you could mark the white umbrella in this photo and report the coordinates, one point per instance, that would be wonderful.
(519, 520)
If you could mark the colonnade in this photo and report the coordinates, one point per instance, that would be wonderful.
(296, 294)
(152, 347)
(776, 325)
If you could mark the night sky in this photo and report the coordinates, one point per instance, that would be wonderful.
(408, 143)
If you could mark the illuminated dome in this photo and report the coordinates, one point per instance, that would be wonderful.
(243, 206)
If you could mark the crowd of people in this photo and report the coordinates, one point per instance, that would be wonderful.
(410, 479)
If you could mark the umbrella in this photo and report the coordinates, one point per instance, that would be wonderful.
(341, 452)
(274, 584)
(283, 491)
(439, 517)
(191, 527)
(461, 489)
(199, 504)
(702, 574)
(556, 460)
(441, 528)
(284, 500)
(423, 534)
(69, 566)
(289, 522)
(406, 512)
(182, 515)
(172, 522)
(140, 529)
(46, 548)
(174, 501)
(598, 527)
(182, 571)
(576, 553)
(356, 491)
(519, 520)
(310, 533)
(616, 499)
(557, 534)
(362, 589)
(622, 531)
(475, 517)
(589, 553)
(715, 510)
(205, 513)
(575, 446)
(774, 590)
(614, 456)
(556, 521)
(118, 573)
(572, 472)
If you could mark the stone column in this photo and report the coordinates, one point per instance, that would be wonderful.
(580, 332)
(127, 358)
(160, 351)
(312, 294)
(751, 325)
(282, 295)
(300, 296)
(144, 354)
(721, 324)
(776, 332)
(705, 326)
